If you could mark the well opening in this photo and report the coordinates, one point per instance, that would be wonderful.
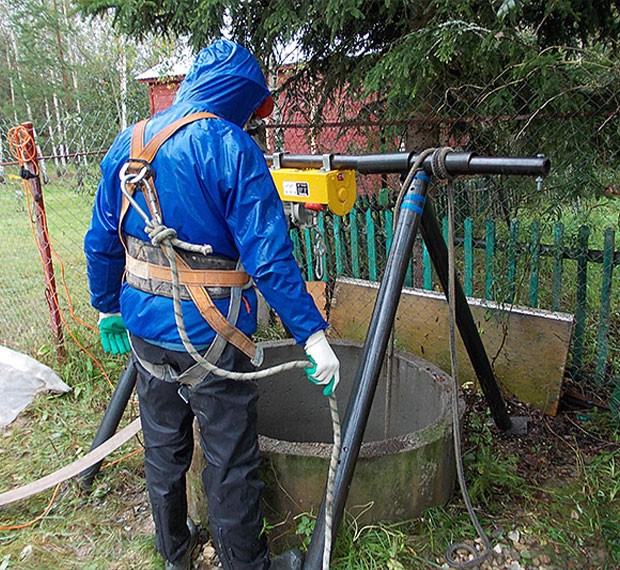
(292, 409)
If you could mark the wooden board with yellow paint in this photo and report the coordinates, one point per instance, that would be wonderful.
(527, 348)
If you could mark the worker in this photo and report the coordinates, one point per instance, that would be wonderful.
(213, 188)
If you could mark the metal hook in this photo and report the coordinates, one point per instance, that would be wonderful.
(319, 252)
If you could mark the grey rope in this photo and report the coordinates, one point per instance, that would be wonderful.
(417, 165)
(476, 559)
(180, 322)
(438, 166)
(331, 477)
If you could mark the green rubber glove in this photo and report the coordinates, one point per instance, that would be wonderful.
(113, 334)
(310, 370)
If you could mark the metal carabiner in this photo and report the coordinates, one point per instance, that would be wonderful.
(152, 198)
(141, 179)
(131, 179)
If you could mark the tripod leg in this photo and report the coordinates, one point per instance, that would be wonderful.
(369, 368)
(467, 327)
(111, 418)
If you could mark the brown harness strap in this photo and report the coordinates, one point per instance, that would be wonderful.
(137, 138)
(194, 280)
(142, 155)
(199, 277)
(149, 151)
(215, 318)
(137, 141)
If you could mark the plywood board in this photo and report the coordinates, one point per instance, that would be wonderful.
(318, 291)
(527, 348)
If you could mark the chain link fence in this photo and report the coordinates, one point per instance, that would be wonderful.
(537, 226)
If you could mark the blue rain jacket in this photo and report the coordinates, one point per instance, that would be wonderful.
(214, 188)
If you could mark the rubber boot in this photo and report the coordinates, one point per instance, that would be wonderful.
(289, 560)
(185, 561)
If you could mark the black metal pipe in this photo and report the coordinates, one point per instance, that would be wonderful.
(457, 163)
(438, 252)
(111, 418)
(369, 368)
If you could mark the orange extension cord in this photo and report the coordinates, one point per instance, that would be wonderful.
(23, 148)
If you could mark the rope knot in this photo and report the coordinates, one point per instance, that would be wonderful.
(160, 233)
(438, 163)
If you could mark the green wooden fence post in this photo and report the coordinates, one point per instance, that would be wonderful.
(489, 259)
(409, 275)
(428, 268)
(294, 235)
(603, 322)
(580, 309)
(338, 245)
(558, 266)
(355, 254)
(371, 246)
(389, 222)
(468, 265)
(511, 261)
(534, 263)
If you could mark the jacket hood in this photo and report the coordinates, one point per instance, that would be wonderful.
(225, 79)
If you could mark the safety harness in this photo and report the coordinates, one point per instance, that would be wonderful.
(202, 275)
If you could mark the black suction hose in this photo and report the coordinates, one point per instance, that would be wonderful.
(111, 418)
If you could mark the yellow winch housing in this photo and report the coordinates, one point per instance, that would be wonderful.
(334, 188)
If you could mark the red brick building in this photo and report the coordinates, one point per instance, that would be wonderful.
(299, 125)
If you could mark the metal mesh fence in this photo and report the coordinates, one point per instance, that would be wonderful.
(69, 171)
(535, 224)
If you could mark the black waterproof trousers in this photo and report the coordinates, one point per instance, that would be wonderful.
(226, 412)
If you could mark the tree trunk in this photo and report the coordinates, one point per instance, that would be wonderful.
(122, 82)
(62, 146)
(50, 131)
(61, 53)
(2, 175)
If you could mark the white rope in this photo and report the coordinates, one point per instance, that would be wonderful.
(331, 477)
(333, 405)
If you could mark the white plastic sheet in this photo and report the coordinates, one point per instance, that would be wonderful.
(21, 379)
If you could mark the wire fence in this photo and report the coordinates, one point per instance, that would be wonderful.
(535, 222)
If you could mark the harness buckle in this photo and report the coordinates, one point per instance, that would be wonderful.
(146, 170)
(135, 177)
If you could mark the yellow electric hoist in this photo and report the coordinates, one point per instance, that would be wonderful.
(305, 192)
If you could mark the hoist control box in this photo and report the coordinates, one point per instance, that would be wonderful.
(335, 189)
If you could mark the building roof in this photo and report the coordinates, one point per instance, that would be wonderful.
(172, 68)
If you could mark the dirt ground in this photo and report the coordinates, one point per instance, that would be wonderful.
(550, 454)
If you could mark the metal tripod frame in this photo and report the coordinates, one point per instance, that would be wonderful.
(418, 215)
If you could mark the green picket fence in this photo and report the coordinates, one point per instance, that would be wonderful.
(512, 266)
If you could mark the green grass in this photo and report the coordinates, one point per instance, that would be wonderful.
(111, 526)
(25, 314)
(571, 515)
(107, 528)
